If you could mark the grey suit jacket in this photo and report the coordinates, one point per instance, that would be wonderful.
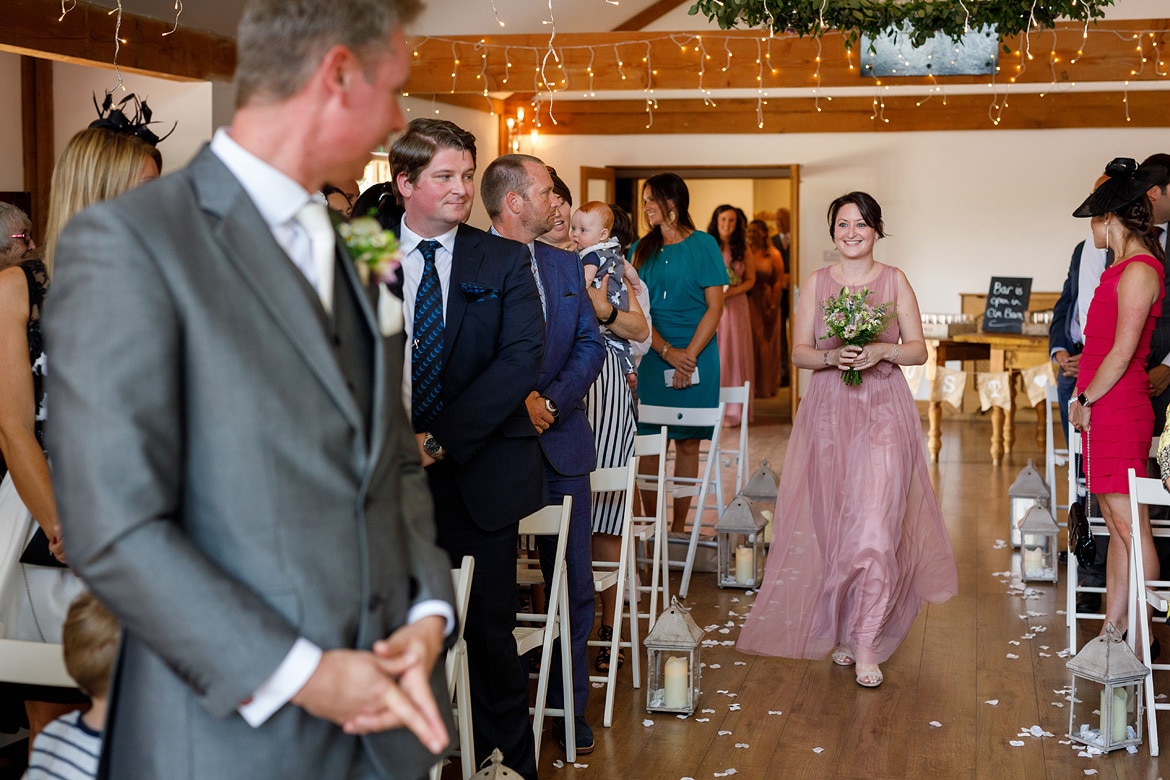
(218, 485)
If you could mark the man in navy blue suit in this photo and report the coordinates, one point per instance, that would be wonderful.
(482, 457)
(517, 195)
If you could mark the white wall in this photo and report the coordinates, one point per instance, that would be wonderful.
(189, 103)
(11, 145)
(960, 207)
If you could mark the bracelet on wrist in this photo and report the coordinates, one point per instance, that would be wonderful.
(827, 358)
(894, 357)
(664, 350)
(612, 316)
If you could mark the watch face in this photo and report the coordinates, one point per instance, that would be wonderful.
(430, 445)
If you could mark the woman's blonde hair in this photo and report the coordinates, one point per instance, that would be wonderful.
(97, 164)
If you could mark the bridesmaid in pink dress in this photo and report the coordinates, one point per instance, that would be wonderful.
(764, 307)
(859, 544)
(736, 358)
(1113, 408)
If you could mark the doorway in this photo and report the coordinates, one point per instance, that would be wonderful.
(758, 190)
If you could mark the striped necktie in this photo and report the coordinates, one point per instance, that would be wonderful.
(427, 355)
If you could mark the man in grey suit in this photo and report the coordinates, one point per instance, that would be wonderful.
(236, 476)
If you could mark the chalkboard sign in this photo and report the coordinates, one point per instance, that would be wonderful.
(1007, 304)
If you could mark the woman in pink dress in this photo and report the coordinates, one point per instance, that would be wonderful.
(736, 361)
(1113, 410)
(859, 543)
(764, 308)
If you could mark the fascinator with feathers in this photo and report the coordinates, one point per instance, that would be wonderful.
(1127, 183)
(114, 116)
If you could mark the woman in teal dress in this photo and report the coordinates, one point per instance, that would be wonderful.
(683, 271)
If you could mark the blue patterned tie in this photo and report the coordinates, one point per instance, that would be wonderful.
(427, 357)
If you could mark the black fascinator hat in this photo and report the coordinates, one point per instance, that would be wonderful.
(1126, 183)
(114, 116)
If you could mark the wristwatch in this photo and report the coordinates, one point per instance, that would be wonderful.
(432, 447)
(1084, 401)
(552, 408)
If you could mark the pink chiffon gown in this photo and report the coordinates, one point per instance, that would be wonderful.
(858, 544)
(736, 354)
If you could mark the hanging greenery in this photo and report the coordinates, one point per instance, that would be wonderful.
(922, 18)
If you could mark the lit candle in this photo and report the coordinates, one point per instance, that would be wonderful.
(745, 565)
(1033, 559)
(678, 682)
(1119, 716)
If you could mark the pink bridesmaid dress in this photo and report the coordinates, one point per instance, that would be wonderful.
(736, 358)
(858, 544)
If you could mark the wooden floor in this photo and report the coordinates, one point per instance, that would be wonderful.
(779, 718)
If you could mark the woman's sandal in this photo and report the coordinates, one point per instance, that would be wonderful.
(843, 656)
(605, 634)
(870, 679)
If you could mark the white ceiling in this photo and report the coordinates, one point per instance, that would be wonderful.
(478, 17)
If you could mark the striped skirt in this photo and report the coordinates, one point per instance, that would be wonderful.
(610, 407)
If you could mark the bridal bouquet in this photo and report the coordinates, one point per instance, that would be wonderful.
(857, 323)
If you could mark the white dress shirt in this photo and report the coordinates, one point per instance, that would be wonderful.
(278, 199)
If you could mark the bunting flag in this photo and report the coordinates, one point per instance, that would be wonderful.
(914, 375)
(1036, 382)
(948, 386)
(995, 389)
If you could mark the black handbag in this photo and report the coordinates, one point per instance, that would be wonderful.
(1080, 535)
(36, 553)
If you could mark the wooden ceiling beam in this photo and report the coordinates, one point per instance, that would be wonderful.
(86, 35)
(847, 115)
(519, 62)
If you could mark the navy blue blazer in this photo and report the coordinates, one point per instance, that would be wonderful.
(493, 344)
(573, 355)
(1065, 307)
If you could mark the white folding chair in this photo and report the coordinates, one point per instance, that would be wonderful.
(615, 574)
(737, 457)
(33, 663)
(1100, 530)
(1076, 492)
(654, 528)
(1144, 592)
(1053, 456)
(680, 487)
(539, 629)
(458, 677)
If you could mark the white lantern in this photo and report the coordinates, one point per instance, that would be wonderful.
(1028, 490)
(739, 538)
(762, 487)
(673, 667)
(1106, 711)
(495, 770)
(761, 491)
(1038, 546)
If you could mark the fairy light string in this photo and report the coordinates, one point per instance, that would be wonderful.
(178, 13)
